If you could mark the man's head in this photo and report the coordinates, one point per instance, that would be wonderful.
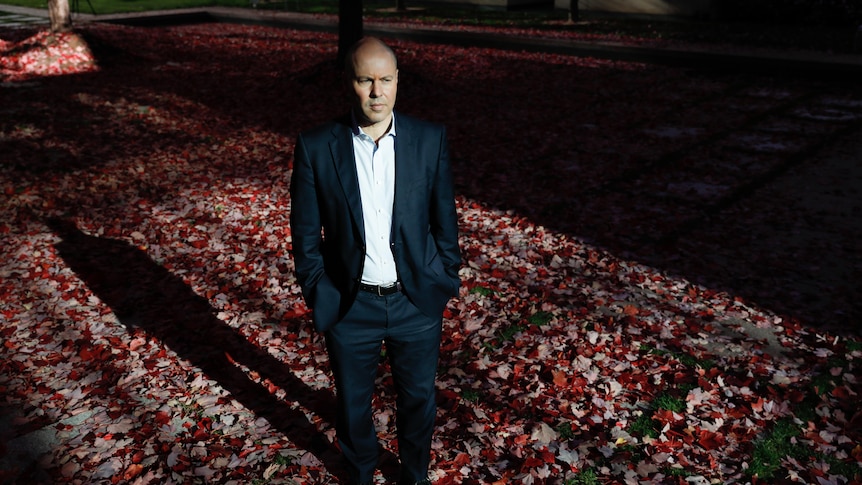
(372, 74)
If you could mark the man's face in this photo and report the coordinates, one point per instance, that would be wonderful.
(375, 84)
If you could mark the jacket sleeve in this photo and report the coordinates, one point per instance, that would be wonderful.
(444, 217)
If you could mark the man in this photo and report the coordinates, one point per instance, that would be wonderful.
(375, 242)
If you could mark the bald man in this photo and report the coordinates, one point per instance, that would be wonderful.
(375, 242)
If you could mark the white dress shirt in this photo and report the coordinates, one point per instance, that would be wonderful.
(375, 166)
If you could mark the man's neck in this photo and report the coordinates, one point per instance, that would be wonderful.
(377, 130)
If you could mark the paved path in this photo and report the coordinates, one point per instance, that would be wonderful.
(763, 60)
(18, 20)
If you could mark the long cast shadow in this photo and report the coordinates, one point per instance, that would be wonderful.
(146, 296)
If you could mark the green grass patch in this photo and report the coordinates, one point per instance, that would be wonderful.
(540, 318)
(645, 426)
(670, 403)
(470, 395)
(508, 333)
(192, 410)
(847, 469)
(819, 386)
(806, 410)
(675, 471)
(822, 384)
(481, 290)
(282, 460)
(633, 453)
(770, 449)
(585, 477)
(565, 431)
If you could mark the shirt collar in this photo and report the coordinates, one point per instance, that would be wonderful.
(357, 131)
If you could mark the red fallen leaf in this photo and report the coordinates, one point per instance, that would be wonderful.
(205, 423)
(710, 440)
(757, 406)
(666, 416)
(841, 392)
(461, 459)
(162, 418)
(561, 378)
(518, 370)
(87, 353)
(132, 471)
(631, 310)
(138, 457)
(137, 343)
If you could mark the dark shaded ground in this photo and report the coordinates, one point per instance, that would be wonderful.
(745, 182)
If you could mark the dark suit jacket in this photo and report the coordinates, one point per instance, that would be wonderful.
(325, 196)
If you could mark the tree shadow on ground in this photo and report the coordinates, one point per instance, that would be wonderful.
(578, 149)
(146, 296)
(742, 183)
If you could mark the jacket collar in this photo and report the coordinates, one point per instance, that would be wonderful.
(406, 168)
(341, 149)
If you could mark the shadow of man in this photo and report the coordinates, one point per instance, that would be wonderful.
(144, 295)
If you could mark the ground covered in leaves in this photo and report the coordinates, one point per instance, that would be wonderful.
(660, 267)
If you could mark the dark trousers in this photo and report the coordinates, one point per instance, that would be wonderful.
(412, 346)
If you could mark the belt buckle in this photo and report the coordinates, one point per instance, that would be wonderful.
(388, 290)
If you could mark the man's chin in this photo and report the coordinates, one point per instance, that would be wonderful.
(375, 118)
(378, 117)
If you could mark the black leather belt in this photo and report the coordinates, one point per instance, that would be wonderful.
(381, 290)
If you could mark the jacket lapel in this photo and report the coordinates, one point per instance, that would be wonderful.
(341, 148)
(405, 155)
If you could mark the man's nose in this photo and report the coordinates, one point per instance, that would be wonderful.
(375, 89)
